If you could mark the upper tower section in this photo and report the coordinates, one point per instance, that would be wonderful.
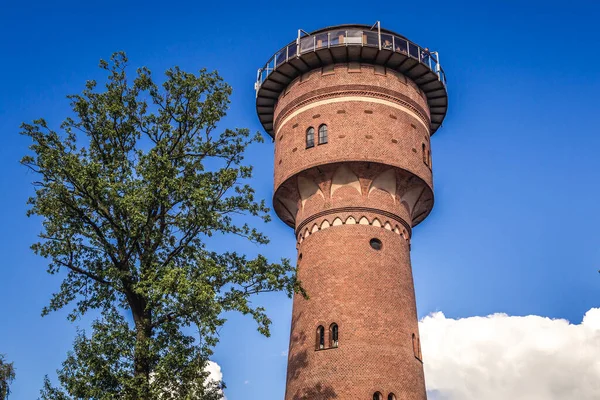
(351, 109)
(351, 44)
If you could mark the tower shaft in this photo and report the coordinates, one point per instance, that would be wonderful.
(369, 294)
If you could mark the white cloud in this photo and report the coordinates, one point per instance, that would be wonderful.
(215, 373)
(499, 357)
(214, 370)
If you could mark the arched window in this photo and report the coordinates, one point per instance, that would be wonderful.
(391, 396)
(377, 396)
(323, 134)
(310, 137)
(320, 337)
(333, 335)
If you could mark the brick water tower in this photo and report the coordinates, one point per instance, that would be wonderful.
(351, 110)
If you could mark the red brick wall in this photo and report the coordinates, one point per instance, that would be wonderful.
(368, 293)
(357, 130)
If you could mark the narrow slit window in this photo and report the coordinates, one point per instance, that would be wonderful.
(320, 338)
(417, 347)
(424, 154)
(323, 134)
(310, 137)
(414, 343)
(333, 335)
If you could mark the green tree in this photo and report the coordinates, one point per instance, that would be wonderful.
(128, 192)
(7, 376)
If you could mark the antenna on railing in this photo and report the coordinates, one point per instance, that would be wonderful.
(258, 81)
(437, 64)
(300, 32)
(378, 25)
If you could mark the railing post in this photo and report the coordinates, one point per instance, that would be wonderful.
(379, 33)
(393, 43)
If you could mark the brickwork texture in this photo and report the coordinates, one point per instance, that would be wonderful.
(353, 202)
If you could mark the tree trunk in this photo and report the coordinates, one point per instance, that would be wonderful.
(142, 362)
(142, 318)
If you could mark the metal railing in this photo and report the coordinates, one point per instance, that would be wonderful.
(306, 43)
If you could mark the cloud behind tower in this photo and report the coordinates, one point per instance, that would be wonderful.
(500, 357)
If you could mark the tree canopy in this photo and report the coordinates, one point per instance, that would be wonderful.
(128, 190)
(7, 376)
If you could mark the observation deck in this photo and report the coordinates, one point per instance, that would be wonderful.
(351, 43)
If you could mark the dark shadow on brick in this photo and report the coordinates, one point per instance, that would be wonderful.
(298, 338)
(296, 364)
(318, 392)
(298, 361)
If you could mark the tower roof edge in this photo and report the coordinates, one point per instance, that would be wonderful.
(351, 43)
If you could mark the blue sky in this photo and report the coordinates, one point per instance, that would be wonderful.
(514, 228)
